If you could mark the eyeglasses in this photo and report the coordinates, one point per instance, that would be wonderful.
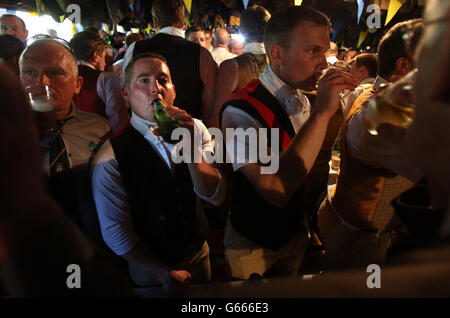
(40, 37)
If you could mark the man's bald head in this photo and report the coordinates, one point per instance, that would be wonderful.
(35, 51)
(221, 37)
(48, 62)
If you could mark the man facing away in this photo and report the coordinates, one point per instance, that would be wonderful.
(220, 51)
(266, 233)
(101, 91)
(237, 72)
(147, 204)
(357, 221)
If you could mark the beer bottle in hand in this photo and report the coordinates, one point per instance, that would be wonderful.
(165, 124)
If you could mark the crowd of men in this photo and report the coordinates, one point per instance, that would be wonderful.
(114, 177)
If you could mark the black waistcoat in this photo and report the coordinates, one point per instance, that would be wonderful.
(251, 215)
(163, 206)
(183, 59)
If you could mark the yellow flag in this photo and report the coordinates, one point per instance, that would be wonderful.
(394, 6)
(362, 37)
(188, 4)
(298, 2)
(40, 5)
(62, 18)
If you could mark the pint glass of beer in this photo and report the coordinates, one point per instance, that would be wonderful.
(394, 105)
(41, 102)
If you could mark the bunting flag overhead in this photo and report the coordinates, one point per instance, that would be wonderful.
(298, 2)
(188, 5)
(394, 6)
(245, 4)
(360, 9)
(362, 37)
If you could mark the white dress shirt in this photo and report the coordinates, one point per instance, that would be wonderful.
(221, 54)
(293, 101)
(376, 150)
(109, 193)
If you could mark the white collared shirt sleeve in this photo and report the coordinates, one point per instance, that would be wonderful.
(207, 145)
(110, 91)
(239, 149)
(378, 151)
(112, 203)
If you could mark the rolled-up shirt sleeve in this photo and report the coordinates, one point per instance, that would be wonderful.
(207, 145)
(112, 203)
(379, 151)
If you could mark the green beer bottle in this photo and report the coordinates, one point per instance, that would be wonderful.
(165, 124)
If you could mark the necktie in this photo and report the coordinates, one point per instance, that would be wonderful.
(61, 183)
(58, 161)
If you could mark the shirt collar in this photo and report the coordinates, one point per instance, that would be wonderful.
(332, 59)
(219, 49)
(255, 48)
(141, 125)
(369, 80)
(172, 31)
(81, 62)
(378, 82)
(291, 99)
(73, 114)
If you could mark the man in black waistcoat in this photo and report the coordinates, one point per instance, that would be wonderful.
(192, 66)
(147, 204)
(266, 233)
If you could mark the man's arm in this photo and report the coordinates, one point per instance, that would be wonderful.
(208, 74)
(298, 158)
(207, 181)
(109, 90)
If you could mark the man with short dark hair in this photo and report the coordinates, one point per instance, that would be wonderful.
(363, 68)
(194, 75)
(10, 50)
(196, 34)
(13, 25)
(266, 233)
(101, 91)
(357, 221)
(147, 204)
